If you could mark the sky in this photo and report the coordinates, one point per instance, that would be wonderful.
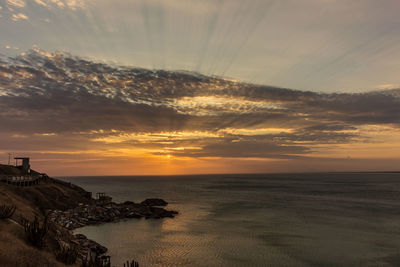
(147, 87)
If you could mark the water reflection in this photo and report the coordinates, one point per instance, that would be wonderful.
(279, 220)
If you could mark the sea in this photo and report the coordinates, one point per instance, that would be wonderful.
(315, 219)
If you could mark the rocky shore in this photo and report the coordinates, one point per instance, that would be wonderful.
(103, 211)
(88, 246)
(52, 209)
(100, 212)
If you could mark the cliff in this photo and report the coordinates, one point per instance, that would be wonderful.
(33, 201)
(64, 206)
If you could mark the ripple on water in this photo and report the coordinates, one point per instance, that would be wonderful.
(275, 220)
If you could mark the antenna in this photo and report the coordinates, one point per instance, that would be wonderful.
(9, 158)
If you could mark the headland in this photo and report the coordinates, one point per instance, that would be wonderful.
(34, 203)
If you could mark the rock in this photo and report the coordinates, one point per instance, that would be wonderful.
(133, 215)
(80, 236)
(99, 249)
(87, 244)
(96, 214)
(154, 202)
(161, 213)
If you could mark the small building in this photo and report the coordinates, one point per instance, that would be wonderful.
(23, 164)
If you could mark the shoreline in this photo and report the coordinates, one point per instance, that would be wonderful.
(102, 212)
(60, 207)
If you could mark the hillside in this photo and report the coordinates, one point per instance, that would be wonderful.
(9, 170)
(32, 201)
(64, 206)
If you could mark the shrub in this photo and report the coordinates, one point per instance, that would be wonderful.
(7, 211)
(23, 221)
(36, 232)
(67, 254)
(131, 264)
(93, 261)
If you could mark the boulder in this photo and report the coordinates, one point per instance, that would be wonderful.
(133, 215)
(154, 202)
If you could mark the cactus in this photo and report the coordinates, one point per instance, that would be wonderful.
(7, 211)
(131, 264)
(104, 261)
(36, 232)
(90, 261)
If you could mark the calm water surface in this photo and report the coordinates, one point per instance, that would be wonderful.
(256, 220)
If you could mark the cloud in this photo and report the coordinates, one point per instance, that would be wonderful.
(66, 102)
(41, 2)
(11, 47)
(388, 86)
(16, 3)
(19, 16)
(71, 4)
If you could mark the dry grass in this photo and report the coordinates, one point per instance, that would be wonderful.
(15, 252)
(23, 207)
(31, 201)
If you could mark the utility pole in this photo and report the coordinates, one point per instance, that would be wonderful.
(9, 158)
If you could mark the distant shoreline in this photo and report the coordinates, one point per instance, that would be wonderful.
(221, 174)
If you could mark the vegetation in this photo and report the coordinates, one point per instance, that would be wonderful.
(104, 261)
(36, 232)
(93, 261)
(15, 247)
(15, 251)
(7, 211)
(67, 254)
(131, 264)
(19, 245)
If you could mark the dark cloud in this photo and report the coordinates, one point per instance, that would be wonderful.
(70, 97)
(245, 149)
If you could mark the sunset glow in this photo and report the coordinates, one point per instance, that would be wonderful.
(72, 100)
